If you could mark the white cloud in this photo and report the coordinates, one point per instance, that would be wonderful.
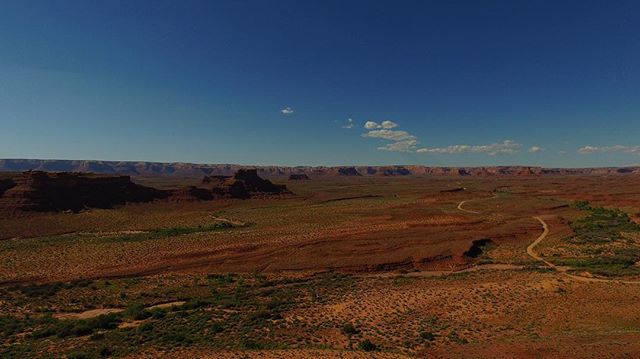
(286, 111)
(535, 149)
(349, 123)
(389, 124)
(370, 125)
(506, 147)
(399, 141)
(391, 135)
(586, 150)
(400, 146)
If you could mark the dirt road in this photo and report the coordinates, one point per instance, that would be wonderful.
(475, 199)
(563, 270)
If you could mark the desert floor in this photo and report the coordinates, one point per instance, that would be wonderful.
(384, 267)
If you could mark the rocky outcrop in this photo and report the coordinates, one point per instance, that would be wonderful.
(244, 184)
(154, 169)
(347, 171)
(43, 191)
(73, 191)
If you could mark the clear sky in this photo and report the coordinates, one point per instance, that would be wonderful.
(551, 83)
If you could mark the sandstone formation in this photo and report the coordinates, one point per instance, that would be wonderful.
(42, 191)
(244, 184)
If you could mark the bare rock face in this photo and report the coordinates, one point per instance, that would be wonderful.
(43, 191)
(299, 177)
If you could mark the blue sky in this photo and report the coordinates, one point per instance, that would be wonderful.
(453, 83)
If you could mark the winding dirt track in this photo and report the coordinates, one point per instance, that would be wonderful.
(563, 270)
(532, 253)
(466, 210)
(495, 195)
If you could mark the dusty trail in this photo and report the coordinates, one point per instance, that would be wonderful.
(93, 313)
(563, 270)
(475, 199)
(532, 253)
(466, 210)
(230, 221)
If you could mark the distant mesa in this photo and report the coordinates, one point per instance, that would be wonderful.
(244, 184)
(65, 191)
(74, 191)
(299, 177)
(193, 170)
(394, 171)
(348, 171)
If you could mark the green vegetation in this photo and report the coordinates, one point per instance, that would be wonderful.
(170, 232)
(618, 264)
(77, 328)
(367, 346)
(601, 238)
(226, 311)
(602, 225)
(429, 336)
(47, 290)
(349, 329)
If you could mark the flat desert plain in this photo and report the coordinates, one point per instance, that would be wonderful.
(344, 267)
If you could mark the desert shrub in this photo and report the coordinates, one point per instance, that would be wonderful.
(77, 328)
(10, 325)
(222, 278)
(349, 329)
(39, 290)
(454, 337)
(174, 339)
(49, 289)
(105, 352)
(259, 345)
(136, 311)
(428, 336)
(146, 327)
(367, 346)
(80, 355)
(216, 328)
(582, 205)
(623, 264)
(194, 304)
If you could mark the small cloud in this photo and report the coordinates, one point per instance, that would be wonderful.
(389, 124)
(400, 146)
(535, 149)
(506, 147)
(391, 135)
(349, 123)
(587, 150)
(370, 125)
(286, 111)
(399, 141)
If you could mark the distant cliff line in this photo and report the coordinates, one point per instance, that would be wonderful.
(133, 168)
